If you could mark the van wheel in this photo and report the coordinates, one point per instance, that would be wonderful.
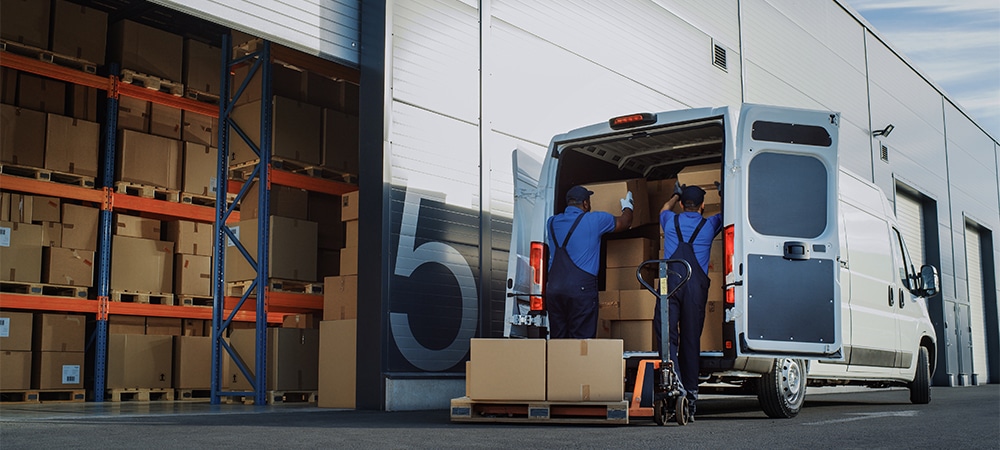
(782, 390)
(920, 387)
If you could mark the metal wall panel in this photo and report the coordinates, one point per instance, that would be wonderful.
(910, 219)
(717, 18)
(977, 316)
(326, 28)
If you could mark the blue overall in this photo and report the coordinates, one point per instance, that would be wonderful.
(687, 308)
(570, 294)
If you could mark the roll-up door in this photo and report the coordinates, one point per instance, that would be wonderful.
(910, 218)
(977, 317)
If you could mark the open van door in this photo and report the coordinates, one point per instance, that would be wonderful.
(519, 286)
(783, 200)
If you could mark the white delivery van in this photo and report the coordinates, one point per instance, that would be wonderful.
(818, 288)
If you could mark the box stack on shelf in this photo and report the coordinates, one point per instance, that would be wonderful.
(338, 331)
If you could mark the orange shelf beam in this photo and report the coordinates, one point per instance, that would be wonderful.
(313, 184)
(55, 71)
(164, 208)
(21, 184)
(47, 303)
(173, 101)
(184, 312)
(282, 303)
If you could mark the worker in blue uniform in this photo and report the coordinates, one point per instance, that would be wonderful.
(687, 236)
(575, 240)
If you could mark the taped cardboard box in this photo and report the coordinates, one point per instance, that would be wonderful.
(21, 208)
(607, 198)
(26, 21)
(711, 333)
(200, 169)
(79, 226)
(623, 278)
(22, 136)
(58, 370)
(636, 304)
(148, 160)
(192, 362)
(5, 207)
(165, 121)
(200, 129)
(340, 297)
(292, 358)
(585, 370)
(704, 175)
(607, 304)
(636, 335)
(71, 145)
(286, 201)
(51, 234)
(292, 250)
(118, 324)
(195, 327)
(133, 114)
(135, 226)
(349, 260)
(59, 332)
(351, 233)
(146, 50)
(142, 265)
(67, 266)
(45, 209)
(79, 31)
(629, 252)
(349, 206)
(163, 326)
(338, 343)
(41, 94)
(20, 252)
(201, 66)
(508, 369)
(296, 131)
(15, 370)
(193, 275)
(15, 331)
(190, 238)
(139, 361)
(82, 103)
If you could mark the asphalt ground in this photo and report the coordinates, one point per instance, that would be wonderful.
(958, 417)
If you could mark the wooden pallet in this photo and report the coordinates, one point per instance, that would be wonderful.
(204, 200)
(152, 82)
(55, 290)
(464, 409)
(193, 394)
(237, 288)
(146, 191)
(48, 56)
(242, 171)
(201, 96)
(279, 397)
(195, 300)
(150, 298)
(328, 174)
(41, 174)
(139, 395)
(43, 396)
(15, 396)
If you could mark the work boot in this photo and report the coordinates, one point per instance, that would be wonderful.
(691, 409)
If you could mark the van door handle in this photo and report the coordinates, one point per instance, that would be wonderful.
(890, 296)
(796, 250)
(901, 298)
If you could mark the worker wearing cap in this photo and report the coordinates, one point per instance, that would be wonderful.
(687, 236)
(574, 238)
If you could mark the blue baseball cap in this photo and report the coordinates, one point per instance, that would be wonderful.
(692, 196)
(578, 193)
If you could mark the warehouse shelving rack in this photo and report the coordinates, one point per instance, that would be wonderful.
(275, 304)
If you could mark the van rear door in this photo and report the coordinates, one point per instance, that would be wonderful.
(782, 200)
(527, 210)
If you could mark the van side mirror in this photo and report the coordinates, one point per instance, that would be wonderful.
(929, 281)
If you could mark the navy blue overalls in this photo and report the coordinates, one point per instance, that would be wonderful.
(570, 294)
(687, 306)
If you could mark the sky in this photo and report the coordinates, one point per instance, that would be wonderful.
(955, 43)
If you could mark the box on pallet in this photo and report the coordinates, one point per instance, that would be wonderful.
(71, 145)
(155, 257)
(148, 160)
(192, 365)
(20, 252)
(146, 50)
(15, 370)
(165, 121)
(340, 141)
(200, 174)
(139, 361)
(26, 22)
(292, 250)
(59, 332)
(57, 370)
(340, 297)
(41, 94)
(508, 369)
(15, 331)
(338, 367)
(285, 82)
(22, 136)
(200, 129)
(193, 275)
(135, 226)
(67, 266)
(295, 135)
(201, 66)
(133, 114)
(190, 238)
(79, 226)
(79, 31)
(285, 202)
(585, 370)
(292, 358)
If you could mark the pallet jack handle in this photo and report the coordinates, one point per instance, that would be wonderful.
(664, 293)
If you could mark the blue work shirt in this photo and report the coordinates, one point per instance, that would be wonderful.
(584, 246)
(689, 221)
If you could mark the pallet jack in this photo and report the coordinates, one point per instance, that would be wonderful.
(656, 389)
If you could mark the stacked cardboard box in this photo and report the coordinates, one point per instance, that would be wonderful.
(32, 235)
(193, 243)
(292, 358)
(58, 351)
(338, 331)
(607, 198)
(349, 215)
(626, 307)
(15, 350)
(157, 352)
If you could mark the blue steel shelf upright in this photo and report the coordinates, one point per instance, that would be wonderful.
(260, 63)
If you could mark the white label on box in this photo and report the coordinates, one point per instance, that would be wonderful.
(71, 374)
(236, 232)
(4, 326)
(4, 237)
(211, 185)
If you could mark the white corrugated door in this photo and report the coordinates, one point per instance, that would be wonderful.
(977, 319)
(910, 218)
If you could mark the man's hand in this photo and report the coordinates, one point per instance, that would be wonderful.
(627, 201)
(679, 188)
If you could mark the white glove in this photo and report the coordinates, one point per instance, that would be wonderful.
(627, 201)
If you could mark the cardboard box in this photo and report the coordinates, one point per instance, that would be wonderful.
(636, 304)
(201, 66)
(292, 358)
(659, 192)
(349, 260)
(607, 195)
(135, 226)
(141, 265)
(349, 206)
(21, 208)
(200, 169)
(45, 209)
(4, 206)
(148, 160)
(191, 238)
(324, 209)
(72, 145)
(585, 370)
(41, 94)
(285, 82)
(704, 175)
(15, 370)
(81, 102)
(321, 90)
(351, 233)
(165, 121)
(340, 297)
(118, 324)
(509, 369)
(292, 250)
(57, 370)
(15, 331)
(139, 361)
(607, 304)
(195, 327)
(79, 31)
(192, 362)
(59, 332)
(327, 263)
(67, 266)
(8, 86)
(133, 114)
(340, 141)
(338, 345)
(20, 252)
(622, 278)
(51, 234)
(163, 326)
(79, 228)
(200, 129)
(26, 21)
(285, 202)
(711, 332)
(296, 131)
(147, 50)
(299, 321)
(22, 136)
(630, 252)
(637, 335)
(193, 275)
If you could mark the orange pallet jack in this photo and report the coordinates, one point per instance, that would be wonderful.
(656, 389)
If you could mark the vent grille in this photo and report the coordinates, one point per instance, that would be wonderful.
(883, 153)
(719, 56)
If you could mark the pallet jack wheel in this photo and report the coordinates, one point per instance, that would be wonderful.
(660, 412)
(681, 411)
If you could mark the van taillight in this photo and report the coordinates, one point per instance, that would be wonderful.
(539, 264)
(729, 238)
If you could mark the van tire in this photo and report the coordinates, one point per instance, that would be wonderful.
(782, 390)
(920, 387)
